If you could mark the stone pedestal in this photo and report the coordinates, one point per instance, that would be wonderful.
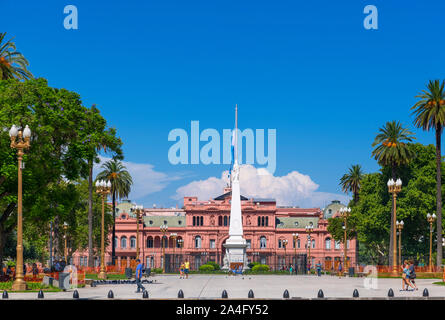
(235, 253)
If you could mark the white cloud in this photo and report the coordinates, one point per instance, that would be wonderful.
(145, 179)
(293, 189)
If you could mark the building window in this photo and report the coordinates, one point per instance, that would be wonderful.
(197, 242)
(116, 241)
(259, 221)
(280, 244)
(328, 243)
(124, 242)
(220, 221)
(249, 243)
(313, 244)
(267, 221)
(133, 242)
(202, 221)
(262, 221)
(149, 242)
(225, 221)
(337, 244)
(298, 244)
(212, 244)
(347, 244)
(263, 242)
(165, 241)
(296, 223)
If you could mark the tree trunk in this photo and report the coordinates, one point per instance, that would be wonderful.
(90, 216)
(113, 249)
(392, 242)
(439, 194)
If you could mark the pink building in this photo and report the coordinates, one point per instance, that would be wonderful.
(203, 226)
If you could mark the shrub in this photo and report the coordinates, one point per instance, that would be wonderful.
(214, 264)
(206, 268)
(252, 264)
(260, 268)
(156, 270)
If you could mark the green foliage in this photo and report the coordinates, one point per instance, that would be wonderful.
(252, 264)
(214, 264)
(12, 63)
(350, 182)
(259, 268)
(156, 270)
(206, 268)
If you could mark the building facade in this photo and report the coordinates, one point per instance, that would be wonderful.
(202, 227)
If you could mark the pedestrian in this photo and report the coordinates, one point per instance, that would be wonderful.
(290, 269)
(35, 270)
(340, 268)
(139, 269)
(181, 271)
(405, 277)
(318, 266)
(24, 269)
(412, 275)
(296, 269)
(186, 268)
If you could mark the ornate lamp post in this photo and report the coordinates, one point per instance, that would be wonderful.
(174, 236)
(295, 237)
(181, 244)
(430, 218)
(103, 188)
(65, 227)
(285, 242)
(164, 229)
(394, 187)
(309, 230)
(19, 141)
(137, 210)
(399, 226)
(344, 212)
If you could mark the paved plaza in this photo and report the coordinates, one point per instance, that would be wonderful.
(237, 287)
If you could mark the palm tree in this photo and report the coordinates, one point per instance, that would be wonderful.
(121, 182)
(391, 150)
(429, 113)
(12, 63)
(350, 182)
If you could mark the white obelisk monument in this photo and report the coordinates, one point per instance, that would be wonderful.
(235, 245)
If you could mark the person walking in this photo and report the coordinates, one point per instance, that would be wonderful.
(139, 269)
(290, 269)
(181, 271)
(412, 275)
(318, 266)
(405, 277)
(340, 269)
(186, 268)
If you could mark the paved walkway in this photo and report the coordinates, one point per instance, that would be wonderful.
(263, 286)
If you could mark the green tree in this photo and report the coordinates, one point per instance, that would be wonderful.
(350, 182)
(12, 63)
(121, 181)
(429, 113)
(391, 149)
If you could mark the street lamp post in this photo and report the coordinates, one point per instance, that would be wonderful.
(309, 230)
(431, 219)
(137, 210)
(399, 226)
(65, 227)
(344, 212)
(295, 237)
(19, 141)
(103, 188)
(181, 244)
(394, 187)
(174, 236)
(164, 229)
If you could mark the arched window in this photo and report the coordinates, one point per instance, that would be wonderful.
(298, 243)
(202, 221)
(198, 242)
(220, 221)
(124, 242)
(347, 244)
(313, 244)
(263, 242)
(194, 221)
(225, 221)
(259, 221)
(267, 221)
(328, 243)
(262, 221)
(133, 242)
(165, 240)
(116, 241)
(149, 242)
(178, 245)
(157, 242)
(280, 243)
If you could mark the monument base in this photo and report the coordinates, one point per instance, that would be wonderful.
(235, 254)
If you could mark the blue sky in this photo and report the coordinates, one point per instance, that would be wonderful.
(308, 69)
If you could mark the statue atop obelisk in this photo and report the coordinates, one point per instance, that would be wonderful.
(235, 245)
